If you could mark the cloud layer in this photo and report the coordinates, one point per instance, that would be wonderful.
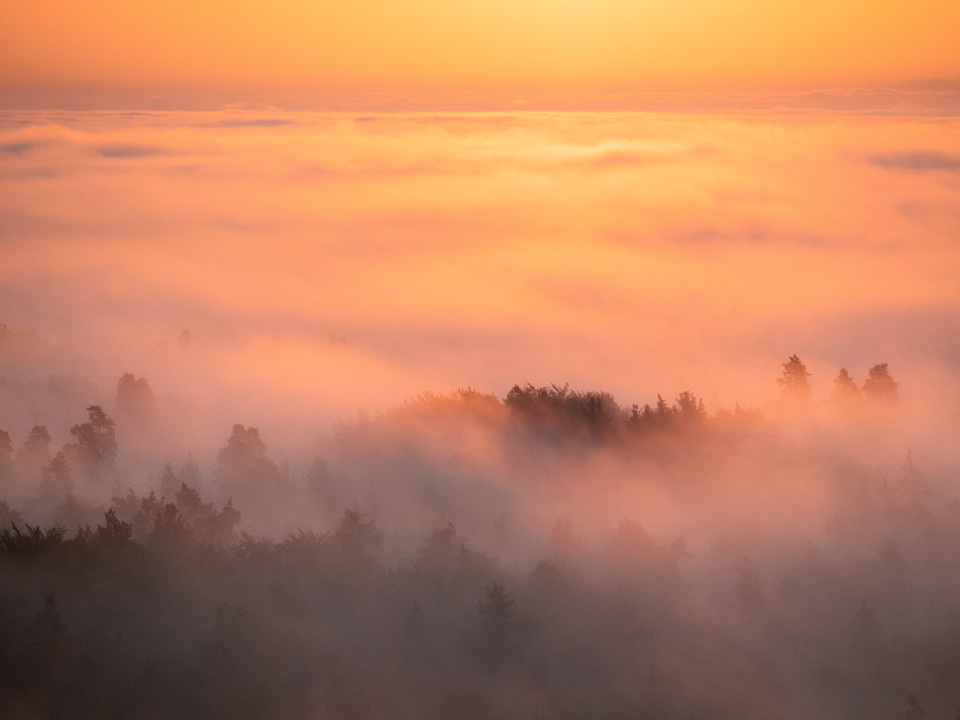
(326, 262)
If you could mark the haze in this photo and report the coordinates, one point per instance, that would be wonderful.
(455, 361)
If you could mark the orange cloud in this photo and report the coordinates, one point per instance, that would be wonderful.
(638, 253)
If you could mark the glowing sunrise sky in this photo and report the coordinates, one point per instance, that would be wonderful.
(395, 45)
(328, 256)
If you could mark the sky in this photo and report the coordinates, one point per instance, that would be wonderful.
(299, 215)
(330, 262)
(395, 46)
(349, 204)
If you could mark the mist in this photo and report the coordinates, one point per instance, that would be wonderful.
(513, 414)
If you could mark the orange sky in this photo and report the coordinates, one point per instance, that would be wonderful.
(394, 45)
(337, 261)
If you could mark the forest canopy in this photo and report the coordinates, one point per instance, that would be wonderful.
(553, 553)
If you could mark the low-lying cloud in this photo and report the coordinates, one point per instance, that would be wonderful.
(282, 313)
(918, 161)
(645, 253)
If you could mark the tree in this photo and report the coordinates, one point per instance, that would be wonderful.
(880, 387)
(497, 641)
(845, 390)
(356, 537)
(912, 480)
(497, 608)
(95, 448)
(794, 385)
(35, 452)
(245, 472)
(114, 531)
(55, 477)
(690, 409)
(6, 458)
(135, 401)
(170, 531)
(244, 451)
(212, 527)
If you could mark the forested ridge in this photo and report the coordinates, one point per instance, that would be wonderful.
(550, 554)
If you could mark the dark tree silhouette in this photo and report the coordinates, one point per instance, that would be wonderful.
(559, 414)
(497, 608)
(95, 449)
(880, 387)
(135, 402)
(34, 542)
(244, 451)
(211, 527)
(8, 515)
(794, 383)
(35, 452)
(244, 471)
(170, 531)
(690, 409)
(6, 459)
(845, 390)
(357, 538)
(114, 531)
(912, 480)
(55, 478)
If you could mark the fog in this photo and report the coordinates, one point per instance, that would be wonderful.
(514, 414)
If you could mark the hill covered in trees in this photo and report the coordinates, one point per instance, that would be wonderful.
(552, 553)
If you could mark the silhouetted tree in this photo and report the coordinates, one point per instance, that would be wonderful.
(244, 448)
(357, 538)
(135, 402)
(662, 416)
(170, 532)
(35, 452)
(911, 479)
(168, 481)
(55, 478)
(322, 485)
(6, 459)
(139, 512)
(880, 387)
(8, 515)
(438, 556)
(32, 543)
(96, 444)
(245, 473)
(496, 608)
(690, 409)
(245, 455)
(845, 390)
(211, 527)
(794, 383)
(558, 414)
(114, 532)
(497, 641)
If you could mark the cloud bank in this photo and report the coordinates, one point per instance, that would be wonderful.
(638, 253)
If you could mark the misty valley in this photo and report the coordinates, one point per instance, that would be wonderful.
(549, 554)
(423, 360)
